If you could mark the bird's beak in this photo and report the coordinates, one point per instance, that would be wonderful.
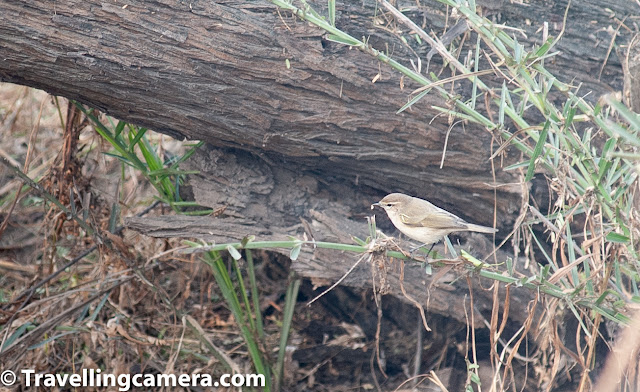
(377, 204)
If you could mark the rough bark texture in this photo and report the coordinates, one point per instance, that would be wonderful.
(216, 72)
(248, 189)
(317, 141)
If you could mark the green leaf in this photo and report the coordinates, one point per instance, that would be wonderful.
(631, 117)
(542, 50)
(371, 223)
(98, 308)
(295, 252)
(454, 254)
(517, 165)
(113, 217)
(617, 238)
(472, 5)
(341, 40)
(544, 272)
(171, 172)
(17, 333)
(518, 52)
(571, 113)
(413, 100)
(247, 239)
(138, 135)
(503, 102)
(332, 12)
(287, 318)
(630, 136)
(358, 241)
(119, 128)
(542, 138)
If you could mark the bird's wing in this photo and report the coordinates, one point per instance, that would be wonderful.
(438, 219)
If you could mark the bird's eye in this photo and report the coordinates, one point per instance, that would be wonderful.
(388, 205)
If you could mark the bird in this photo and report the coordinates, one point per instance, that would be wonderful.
(422, 221)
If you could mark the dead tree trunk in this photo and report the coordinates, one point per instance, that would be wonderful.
(316, 140)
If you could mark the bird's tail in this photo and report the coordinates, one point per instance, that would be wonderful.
(481, 229)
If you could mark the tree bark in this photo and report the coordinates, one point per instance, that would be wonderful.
(273, 203)
(318, 140)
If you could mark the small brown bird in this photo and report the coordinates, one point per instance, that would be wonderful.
(422, 221)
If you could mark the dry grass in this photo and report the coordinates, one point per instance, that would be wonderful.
(118, 308)
(122, 310)
(581, 249)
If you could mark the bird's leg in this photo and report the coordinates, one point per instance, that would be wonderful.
(430, 249)
(413, 250)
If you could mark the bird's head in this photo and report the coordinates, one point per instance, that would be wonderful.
(392, 202)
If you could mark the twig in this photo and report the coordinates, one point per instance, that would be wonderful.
(52, 322)
(82, 255)
(553, 228)
(339, 280)
(27, 161)
(412, 300)
(44, 193)
(435, 43)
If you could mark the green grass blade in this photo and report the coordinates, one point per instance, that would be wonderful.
(542, 138)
